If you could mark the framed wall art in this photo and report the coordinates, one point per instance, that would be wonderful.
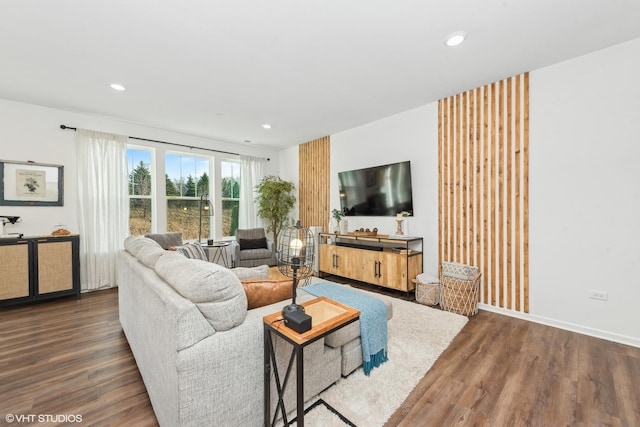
(31, 184)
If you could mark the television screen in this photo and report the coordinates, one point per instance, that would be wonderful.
(377, 191)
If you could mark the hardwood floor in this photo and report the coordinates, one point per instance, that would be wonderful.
(501, 371)
(70, 357)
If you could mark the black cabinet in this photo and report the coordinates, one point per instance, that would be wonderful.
(36, 268)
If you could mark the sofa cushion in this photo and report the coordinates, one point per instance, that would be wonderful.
(133, 244)
(191, 250)
(215, 290)
(253, 243)
(261, 292)
(261, 254)
(149, 255)
(246, 273)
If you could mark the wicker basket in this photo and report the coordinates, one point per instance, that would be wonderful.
(427, 293)
(459, 295)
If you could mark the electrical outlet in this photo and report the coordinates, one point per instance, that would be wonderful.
(601, 295)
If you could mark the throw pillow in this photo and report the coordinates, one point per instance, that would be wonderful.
(259, 272)
(264, 292)
(253, 243)
(216, 291)
(192, 250)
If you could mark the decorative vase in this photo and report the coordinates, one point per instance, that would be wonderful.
(405, 226)
(399, 231)
(344, 226)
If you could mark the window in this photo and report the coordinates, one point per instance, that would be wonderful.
(140, 170)
(187, 179)
(230, 173)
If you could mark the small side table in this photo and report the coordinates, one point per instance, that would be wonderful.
(327, 316)
(219, 251)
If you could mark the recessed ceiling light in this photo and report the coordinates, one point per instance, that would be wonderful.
(266, 126)
(117, 86)
(455, 39)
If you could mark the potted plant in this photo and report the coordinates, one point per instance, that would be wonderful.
(337, 216)
(275, 201)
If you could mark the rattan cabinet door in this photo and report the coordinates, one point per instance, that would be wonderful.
(55, 266)
(14, 270)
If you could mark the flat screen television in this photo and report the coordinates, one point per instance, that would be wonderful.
(377, 191)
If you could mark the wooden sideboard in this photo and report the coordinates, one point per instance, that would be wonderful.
(37, 268)
(380, 260)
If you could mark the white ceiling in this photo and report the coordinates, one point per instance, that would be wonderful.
(222, 68)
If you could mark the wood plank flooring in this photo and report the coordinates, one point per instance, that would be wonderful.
(70, 357)
(502, 371)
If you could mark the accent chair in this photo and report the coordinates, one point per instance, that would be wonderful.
(252, 248)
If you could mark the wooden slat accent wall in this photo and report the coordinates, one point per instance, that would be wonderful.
(313, 187)
(483, 158)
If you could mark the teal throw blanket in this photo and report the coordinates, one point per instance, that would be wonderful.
(373, 320)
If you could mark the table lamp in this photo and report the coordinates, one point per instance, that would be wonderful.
(295, 260)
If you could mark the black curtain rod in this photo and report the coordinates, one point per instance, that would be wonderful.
(64, 127)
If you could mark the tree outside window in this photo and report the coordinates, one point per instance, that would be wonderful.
(187, 179)
(230, 172)
(140, 190)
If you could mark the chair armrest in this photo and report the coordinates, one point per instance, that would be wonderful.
(235, 251)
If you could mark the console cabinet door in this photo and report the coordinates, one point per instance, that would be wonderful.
(328, 262)
(390, 269)
(340, 261)
(14, 270)
(55, 266)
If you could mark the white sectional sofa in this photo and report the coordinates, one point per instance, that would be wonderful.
(200, 351)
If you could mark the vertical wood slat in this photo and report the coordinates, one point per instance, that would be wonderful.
(500, 178)
(485, 191)
(517, 195)
(525, 193)
(314, 179)
(440, 169)
(464, 157)
(492, 197)
(483, 187)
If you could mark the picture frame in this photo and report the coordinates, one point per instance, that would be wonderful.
(31, 184)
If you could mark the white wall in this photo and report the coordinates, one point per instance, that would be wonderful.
(584, 188)
(585, 191)
(288, 160)
(412, 135)
(29, 132)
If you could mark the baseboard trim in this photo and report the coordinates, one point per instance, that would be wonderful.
(597, 333)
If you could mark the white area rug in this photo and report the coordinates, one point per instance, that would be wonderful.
(418, 335)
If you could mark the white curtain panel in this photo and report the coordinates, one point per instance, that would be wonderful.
(103, 205)
(251, 173)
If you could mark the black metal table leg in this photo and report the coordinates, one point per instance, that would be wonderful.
(300, 384)
(267, 376)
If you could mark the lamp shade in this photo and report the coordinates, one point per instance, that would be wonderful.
(296, 251)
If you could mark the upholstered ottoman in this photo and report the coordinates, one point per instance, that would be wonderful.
(348, 338)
